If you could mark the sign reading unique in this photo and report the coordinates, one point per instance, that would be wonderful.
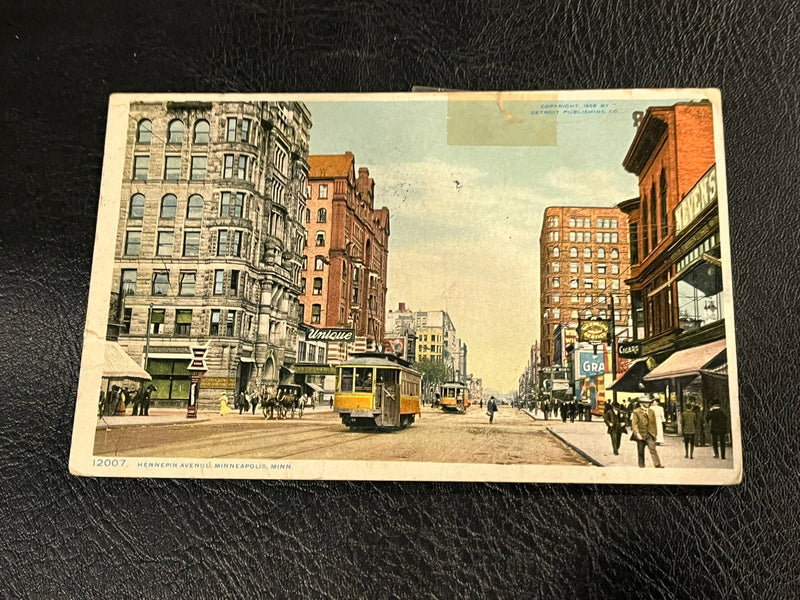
(629, 349)
(595, 332)
(699, 197)
(331, 335)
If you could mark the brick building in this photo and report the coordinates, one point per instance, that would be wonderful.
(675, 275)
(345, 263)
(209, 242)
(584, 258)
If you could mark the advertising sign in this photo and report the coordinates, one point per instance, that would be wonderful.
(590, 365)
(629, 349)
(395, 345)
(594, 331)
(699, 197)
(331, 335)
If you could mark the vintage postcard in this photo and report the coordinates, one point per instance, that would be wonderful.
(430, 286)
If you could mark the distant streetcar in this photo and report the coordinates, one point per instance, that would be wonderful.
(454, 397)
(377, 390)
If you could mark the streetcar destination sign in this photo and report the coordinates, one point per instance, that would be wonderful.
(331, 335)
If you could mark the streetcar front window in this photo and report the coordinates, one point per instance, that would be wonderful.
(363, 379)
(346, 380)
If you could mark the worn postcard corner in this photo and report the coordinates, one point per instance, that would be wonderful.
(428, 286)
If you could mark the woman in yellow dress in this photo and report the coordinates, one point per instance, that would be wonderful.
(224, 409)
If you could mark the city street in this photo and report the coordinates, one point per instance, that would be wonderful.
(513, 438)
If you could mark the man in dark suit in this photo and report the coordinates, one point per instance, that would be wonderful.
(643, 424)
(719, 429)
(615, 423)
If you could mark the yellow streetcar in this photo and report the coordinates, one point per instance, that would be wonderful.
(454, 397)
(377, 390)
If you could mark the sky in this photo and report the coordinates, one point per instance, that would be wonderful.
(466, 184)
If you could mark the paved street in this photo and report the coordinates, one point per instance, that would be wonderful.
(514, 438)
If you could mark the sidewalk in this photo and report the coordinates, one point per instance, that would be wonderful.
(177, 416)
(591, 440)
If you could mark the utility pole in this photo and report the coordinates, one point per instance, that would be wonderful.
(613, 334)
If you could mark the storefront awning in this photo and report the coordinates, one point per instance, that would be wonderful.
(118, 365)
(631, 380)
(687, 363)
(315, 387)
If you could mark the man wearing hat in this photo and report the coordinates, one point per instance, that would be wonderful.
(643, 423)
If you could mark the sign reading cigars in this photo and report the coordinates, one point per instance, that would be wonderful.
(629, 349)
(593, 331)
(331, 335)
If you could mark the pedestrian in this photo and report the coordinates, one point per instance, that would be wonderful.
(643, 424)
(224, 409)
(689, 428)
(700, 434)
(659, 412)
(137, 400)
(491, 408)
(481, 403)
(253, 401)
(101, 407)
(719, 429)
(564, 411)
(242, 401)
(144, 409)
(615, 423)
(546, 410)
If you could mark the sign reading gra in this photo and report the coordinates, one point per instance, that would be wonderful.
(331, 335)
(590, 365)
(629, 349)
(595, 332)
(699, 197)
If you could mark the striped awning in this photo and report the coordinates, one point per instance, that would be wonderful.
(687, 363)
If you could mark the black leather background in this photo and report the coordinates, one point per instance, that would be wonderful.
(69, 537)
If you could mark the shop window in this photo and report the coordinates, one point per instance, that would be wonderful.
(175, 132)
(128, 282)
(202, 132)
(141, 167)
(700, 299)
(183, 322)
(169, 206)
(194, 209)
(136, 207)
(133, 243)
(144, 131)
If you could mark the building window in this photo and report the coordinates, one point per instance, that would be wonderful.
(322, 215)
(615, 269)
(157, 320)
(191, 243)
(136, 207)
(165, 242)
(160, 283)
(316, 313)
(556, 252)
(128, 282)
(587, 283)
(231, 131)
(573, 252)
(236, 244)
(233, 284)
(601, 284)
(556, 298)
(175, 132)
(573, 267)
(556, 267)
(653, 213)
(556, 282)
(664, 222)
(572, 236)
(323, 191)
(615, 253)
(556, 313)
(133, 243)
(614, 238)
(587, 253)
(587, 314)
(601, 253)
(232, 205)
(615, 284)
(587, 299)
(172, 167)
(305, 263)
(169, 206)
(194, 209)
(601, 268)
(202, 131)
(127, 316)
(219, 281)
(214, 327)
(227, 172)
(144, 131)
(245, 130)
(320, 239)
(572, 221)
(141, 167)
(317, 286)
(183, 322)
(199, 164)
(587, 267)
(187, 284)
(308, 215)
(222, 242)
(319, 263)
(302, 286)
(242, 168)
(230, 323)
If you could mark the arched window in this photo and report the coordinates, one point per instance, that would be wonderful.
(664, 222)
(601, 253)
(202, 132)
(322, 215)
(194, 209)
(144, 132)
(320, 239)
(614, 253)
(308, 215)
(587, 253)
(136, 208)
(573, 253)
(556, 252)
(175, 132)
(169, 206)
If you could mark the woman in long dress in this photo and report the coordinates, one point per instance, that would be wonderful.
(224, 409)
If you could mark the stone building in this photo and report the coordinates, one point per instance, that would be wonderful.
(210, 242)
(344, 267)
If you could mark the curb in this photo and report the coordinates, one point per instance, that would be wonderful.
(105, 426)
(576, 449)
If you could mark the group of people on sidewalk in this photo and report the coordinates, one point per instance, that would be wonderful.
(117, 399)
(647, 428)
